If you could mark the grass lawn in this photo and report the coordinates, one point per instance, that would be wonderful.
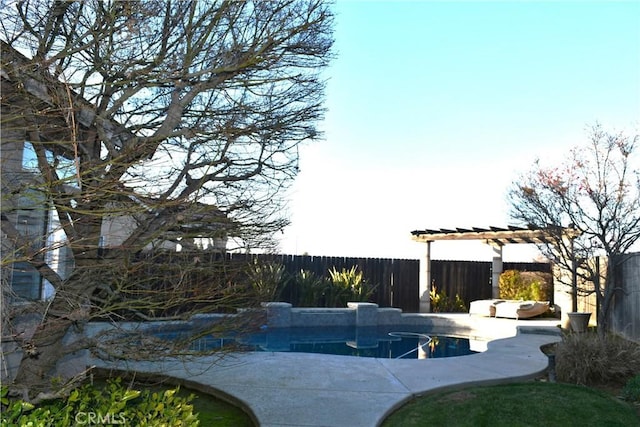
(522, 404)
(217, 413)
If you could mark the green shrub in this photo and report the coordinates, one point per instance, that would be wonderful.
(525, 285)
(631, 390)
(347, 285)
(267, 280)
(310, 289)
(113, 404)
(588, 359)
(443, 303)
(342, 286)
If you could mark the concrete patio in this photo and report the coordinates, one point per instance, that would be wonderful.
(299, 389)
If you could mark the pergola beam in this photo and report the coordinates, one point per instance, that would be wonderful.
(504, 236)
(495, 236)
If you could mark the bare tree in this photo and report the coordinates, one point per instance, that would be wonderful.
(595, 192)
(167, 122)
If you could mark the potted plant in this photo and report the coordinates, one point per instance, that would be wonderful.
(579, 320)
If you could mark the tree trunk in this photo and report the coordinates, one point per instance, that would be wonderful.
(37, 373)
(40, 356)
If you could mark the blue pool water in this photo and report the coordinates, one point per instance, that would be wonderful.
(397, 343)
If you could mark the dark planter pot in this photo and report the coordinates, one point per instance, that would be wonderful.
(579, 321)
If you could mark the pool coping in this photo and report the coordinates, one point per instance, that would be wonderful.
(300, 389)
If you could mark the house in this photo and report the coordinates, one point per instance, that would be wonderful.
(35, 106)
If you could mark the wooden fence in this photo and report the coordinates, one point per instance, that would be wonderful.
(471, 280)
(396, 280)
(625, 307)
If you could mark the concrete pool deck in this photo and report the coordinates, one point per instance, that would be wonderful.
(299, 389)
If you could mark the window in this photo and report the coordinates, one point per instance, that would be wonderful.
(42, 229)
(37, 221)
(30, 222)
(66, 168)
(26, 282)
(29, 158)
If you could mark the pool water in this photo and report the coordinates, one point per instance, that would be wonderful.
(405, 347)
(360, 342)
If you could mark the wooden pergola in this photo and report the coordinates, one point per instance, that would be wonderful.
(496, 237)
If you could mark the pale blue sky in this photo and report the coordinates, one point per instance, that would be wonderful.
(435, 107)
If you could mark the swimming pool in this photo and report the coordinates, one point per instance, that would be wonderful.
(389, 343)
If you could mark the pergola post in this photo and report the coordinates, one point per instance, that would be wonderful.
(425, 281)
(496, 269)
(495, 236)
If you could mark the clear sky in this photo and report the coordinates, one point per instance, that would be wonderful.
(434, 108)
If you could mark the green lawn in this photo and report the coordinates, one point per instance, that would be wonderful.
(217, 413)
(512, 405)
(509, 405)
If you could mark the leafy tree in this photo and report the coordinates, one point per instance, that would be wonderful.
(595, 194)
(171, 122)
